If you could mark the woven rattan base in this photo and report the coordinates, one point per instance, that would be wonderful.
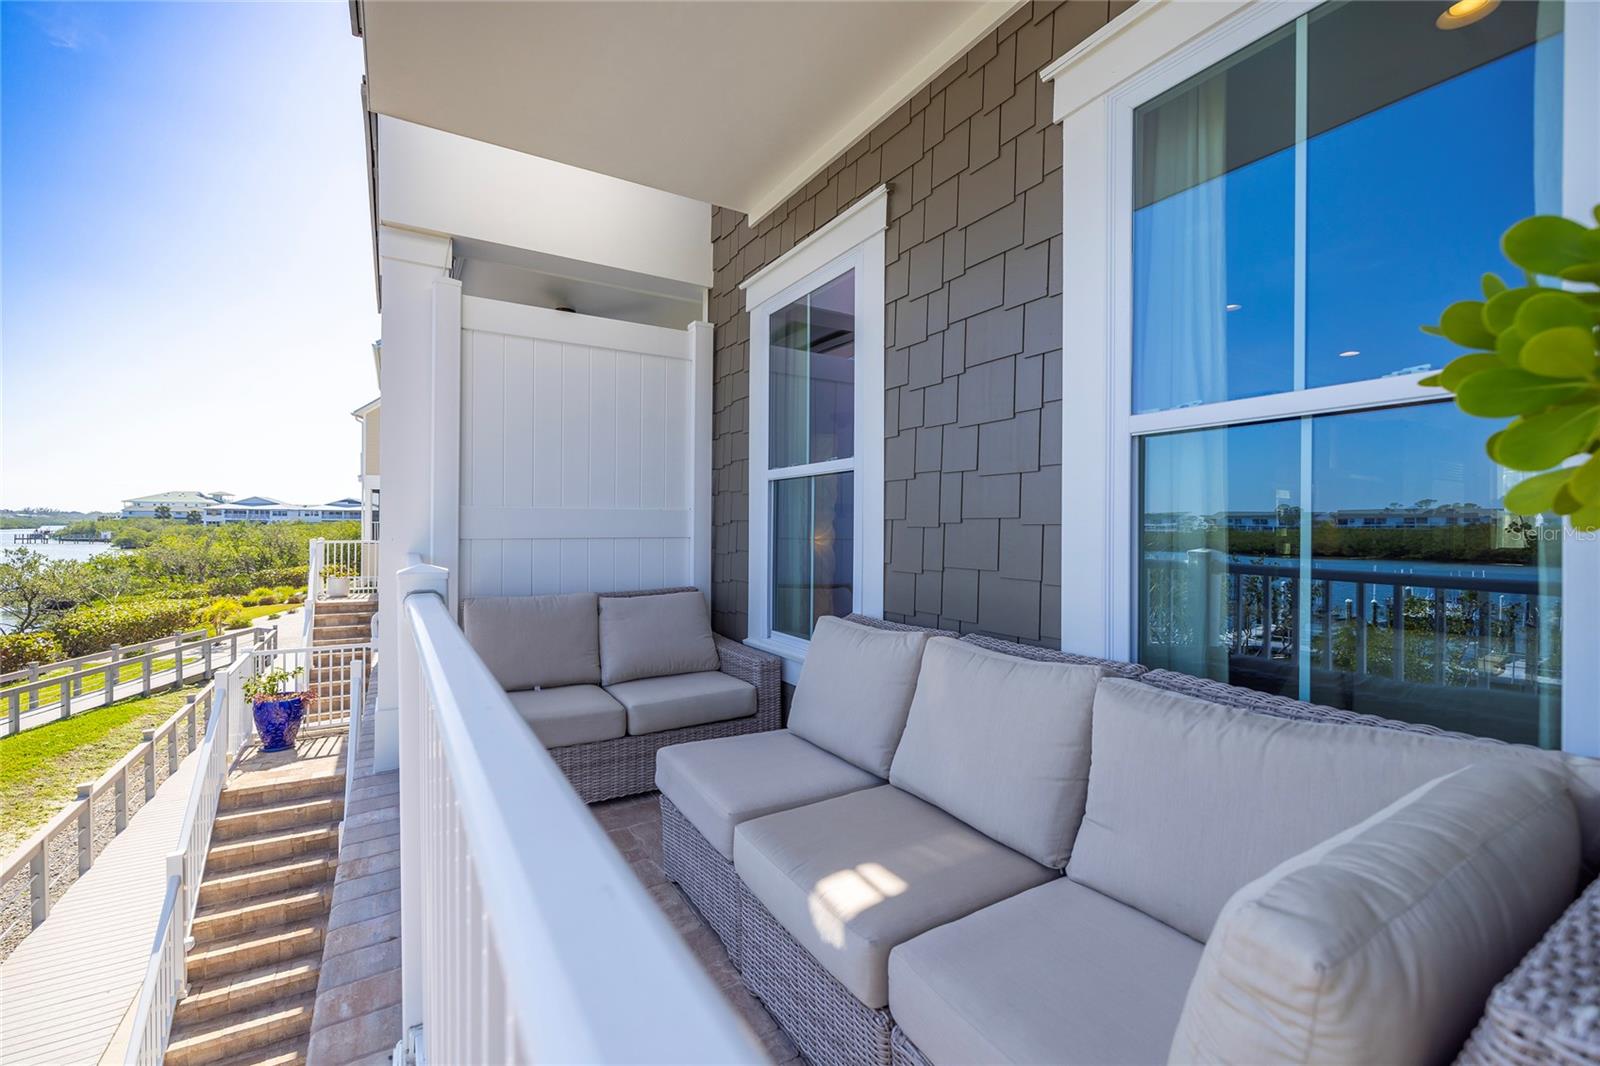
(1548, 1009)
(903, 1051)
(830, 1026)
(690, 860)
(626, 766)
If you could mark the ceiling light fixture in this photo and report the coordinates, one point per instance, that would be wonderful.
(1465, 13)
(1233, 307)
(1349, 354)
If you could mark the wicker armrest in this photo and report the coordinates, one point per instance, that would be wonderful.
(760, 669)
(1547, 1010)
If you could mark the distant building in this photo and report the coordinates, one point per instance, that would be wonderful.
(267, 509)
(168, 504)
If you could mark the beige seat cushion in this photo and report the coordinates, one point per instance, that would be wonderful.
(1001, 743)
(655, 636)
(536, 641)
(1382, 944)
(677, 700)
(853, 876)
(855, 690)
(1058, 974)
(1189, 801)
(719, 783)
(575, 714)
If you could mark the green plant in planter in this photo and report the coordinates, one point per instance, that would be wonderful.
(1532, 357)
(275, 684)
(341, 570)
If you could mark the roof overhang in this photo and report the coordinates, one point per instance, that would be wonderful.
(736, 103)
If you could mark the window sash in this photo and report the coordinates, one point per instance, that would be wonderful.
(1094, 100)
(854, 241)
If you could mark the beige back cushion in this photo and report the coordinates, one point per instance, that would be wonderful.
(535, 641)
(1382, 943)
(655, 636)
(1002, 743)
(1190, 800)
(855, 690)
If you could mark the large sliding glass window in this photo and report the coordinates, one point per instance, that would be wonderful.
(1300, 209)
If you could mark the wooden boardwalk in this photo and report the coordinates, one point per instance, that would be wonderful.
(65, 991)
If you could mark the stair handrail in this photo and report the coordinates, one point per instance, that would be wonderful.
(166, 977)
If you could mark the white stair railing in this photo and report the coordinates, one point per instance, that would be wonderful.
(166, 978)
(538, 942)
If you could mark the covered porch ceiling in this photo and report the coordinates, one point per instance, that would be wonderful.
(736, 103)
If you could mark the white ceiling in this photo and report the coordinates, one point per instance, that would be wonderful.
(736, 103)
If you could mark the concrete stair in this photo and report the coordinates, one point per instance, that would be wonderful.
(259, 925)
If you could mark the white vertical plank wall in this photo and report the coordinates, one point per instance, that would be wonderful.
(578, 452)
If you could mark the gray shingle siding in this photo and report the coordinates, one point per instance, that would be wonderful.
(972, 325)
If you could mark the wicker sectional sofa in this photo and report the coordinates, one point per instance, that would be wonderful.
(606, 681)
(927, 866)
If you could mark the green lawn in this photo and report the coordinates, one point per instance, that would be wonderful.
(41, 768)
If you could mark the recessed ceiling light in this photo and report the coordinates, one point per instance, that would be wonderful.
(1233, 307)
(1465, 13)
(1349, 354)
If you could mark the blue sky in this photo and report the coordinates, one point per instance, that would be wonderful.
(187, 292)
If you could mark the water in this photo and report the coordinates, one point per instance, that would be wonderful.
(51, 550)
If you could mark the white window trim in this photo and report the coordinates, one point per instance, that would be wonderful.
(1095, 96)
(852, 241)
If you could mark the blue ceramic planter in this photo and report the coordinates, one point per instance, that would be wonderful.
(278, 722)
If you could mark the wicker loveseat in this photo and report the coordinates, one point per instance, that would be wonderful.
(605, 681)
(926, 866)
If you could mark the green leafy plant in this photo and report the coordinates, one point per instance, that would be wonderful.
(1532, 358)
(341, 570)
(278, 683)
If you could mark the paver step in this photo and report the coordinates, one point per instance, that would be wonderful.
(272, 846)
(258, 881)
(254, 950)
(342, 634)
(240, 797)
(284, 1053)
(212, 926)
(248, 989)
(248, 822)
(234, 1035)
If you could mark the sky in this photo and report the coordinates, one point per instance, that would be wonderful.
(186, 289)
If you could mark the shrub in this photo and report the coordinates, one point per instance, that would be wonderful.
(17, 650)
(95, 627)
(220, 608)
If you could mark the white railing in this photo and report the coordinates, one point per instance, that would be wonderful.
(166, 978)
(355, 561)
(90, 681)
(352, 738)
(334, 671)
(538, 942)
(102, 809)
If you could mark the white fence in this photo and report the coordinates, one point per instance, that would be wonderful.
(538, 942)
(332, 561)
(90, 681)
(334, 672)
(581, 445)
(27, 873)
(165, 980)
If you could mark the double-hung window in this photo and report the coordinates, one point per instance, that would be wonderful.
(816, 432)
(1285, 199)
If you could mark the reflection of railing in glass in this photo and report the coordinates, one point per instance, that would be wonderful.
(1239, 620)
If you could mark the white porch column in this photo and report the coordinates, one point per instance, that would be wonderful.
(409, 264)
